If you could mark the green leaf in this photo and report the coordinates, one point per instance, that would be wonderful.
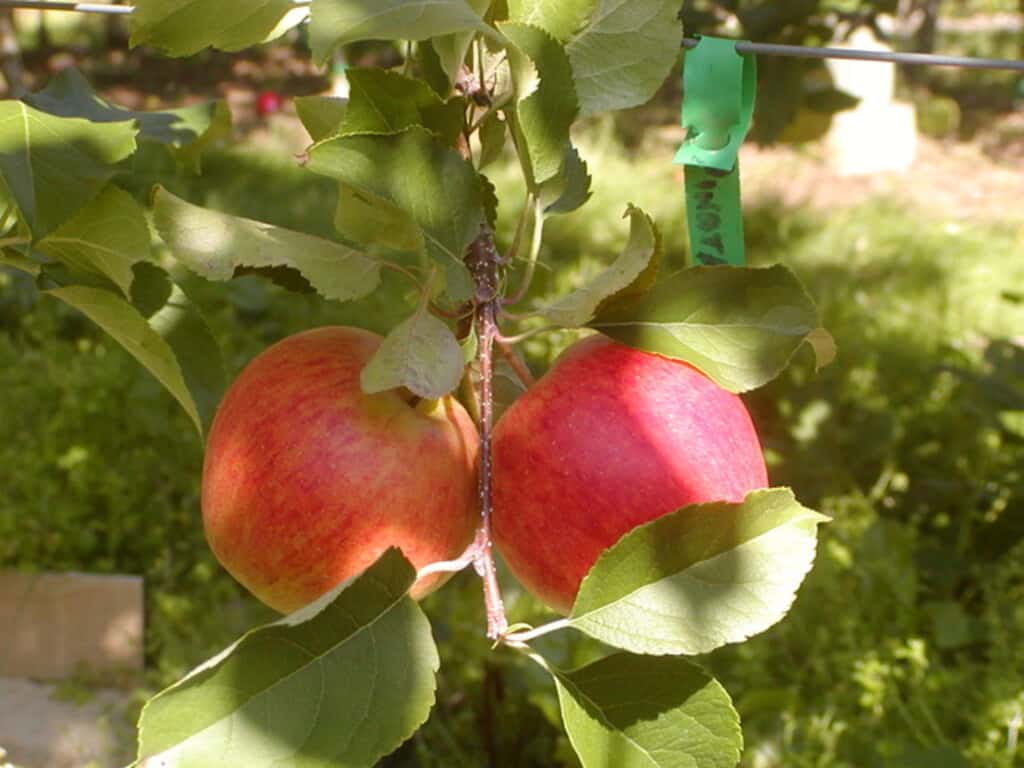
(321, 115)
(15, 260)
(387, 102)
(105, 237)
(145, 340)
(336, 22)
(546, 103)
(451, 49)
(187, 129)
(624, 53)
(342, 682)
(701, 577)
(570, 189)
(215, 245)
(560, 18)
(420, 354)
(492, 139)
(431, 184)
(185, 27)
(52, 166)
(627, 711)
(369, 220)
(632, 273)
(738, 325)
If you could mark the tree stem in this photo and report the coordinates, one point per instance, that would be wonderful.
(484, 262)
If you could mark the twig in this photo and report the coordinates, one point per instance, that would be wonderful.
(531, 262)
(483, 262)
(517, 365)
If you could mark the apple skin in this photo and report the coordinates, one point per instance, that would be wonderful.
(610, 438)
(307, 480)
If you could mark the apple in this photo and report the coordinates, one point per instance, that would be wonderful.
(307, 480)
(610, 438)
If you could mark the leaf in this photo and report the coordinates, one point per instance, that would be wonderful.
(187, 129)
(738, 325)
(701, 577)
(570, 189)
(320, 115)
(145, 341)
(560, 18)
(387, 102)
(632, 273)
(52, 166)
(451, 49)
(337, 22)
(432, 185)
(185, 27)
(624, 53)
(546, 103)
(420, 354)
(106, 237)
(369, 220)
(627, 711)
(20, 262)
(343, 681)
(214, 245)
(492, 139)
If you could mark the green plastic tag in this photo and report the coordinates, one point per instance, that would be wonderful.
(718, 105)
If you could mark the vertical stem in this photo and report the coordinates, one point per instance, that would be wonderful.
(483, 261)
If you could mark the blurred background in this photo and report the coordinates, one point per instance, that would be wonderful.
(897, 195)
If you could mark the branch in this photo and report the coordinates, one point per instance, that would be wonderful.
(483, 261)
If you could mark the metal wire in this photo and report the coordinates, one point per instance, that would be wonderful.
(930, 59)
(765, 49)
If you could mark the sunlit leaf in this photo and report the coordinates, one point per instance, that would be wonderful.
(701, 577)
(738, 325)
(420, 354)
(215, 245)
(342, 682)
(627, 711)
(387, 102)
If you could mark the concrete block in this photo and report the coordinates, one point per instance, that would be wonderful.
(57, 625)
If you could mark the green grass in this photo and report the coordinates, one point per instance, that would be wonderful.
(903, 647)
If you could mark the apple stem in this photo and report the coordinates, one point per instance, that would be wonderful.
(484, 262)
(515, 363)
(519, 639)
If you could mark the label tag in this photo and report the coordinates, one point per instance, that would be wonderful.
(718, 105)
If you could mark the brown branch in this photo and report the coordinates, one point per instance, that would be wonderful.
(516, 363)
(484, 261)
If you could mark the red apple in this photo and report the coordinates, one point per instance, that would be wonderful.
(610, 438)
(307, 480)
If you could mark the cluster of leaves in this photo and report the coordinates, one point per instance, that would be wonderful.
(406, 154)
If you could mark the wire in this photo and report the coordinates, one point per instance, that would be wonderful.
(766, 49)
(931, 59)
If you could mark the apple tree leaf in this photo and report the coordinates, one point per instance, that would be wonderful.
(420, 354)
(185, 27)
(186, 130)
(336, 22)
(570, 189)
(321, 116)
(627, 711)
(492, 139)
(451, 49)
(546, 105)
(173, 344)
(632, 273)
(215, 245)
(624, 52)
(412, 176)
(107, 236)
(738, 325)
(343, 681)
(560, 18)
(387, 102)
(51, 166)
(701, 577)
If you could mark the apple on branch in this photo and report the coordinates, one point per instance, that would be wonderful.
(610, 438)
(307, 480)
